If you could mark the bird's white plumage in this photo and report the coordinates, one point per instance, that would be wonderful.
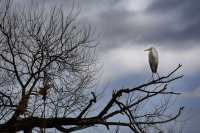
(155, 55)
(153, 59)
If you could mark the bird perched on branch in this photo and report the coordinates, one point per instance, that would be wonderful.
(153, 60)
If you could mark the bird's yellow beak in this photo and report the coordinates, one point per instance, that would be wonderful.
(147, 49)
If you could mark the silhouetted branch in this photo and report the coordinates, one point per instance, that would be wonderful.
(120, 92)
(89, 105)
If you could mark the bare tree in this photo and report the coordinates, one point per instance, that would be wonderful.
(47, 68)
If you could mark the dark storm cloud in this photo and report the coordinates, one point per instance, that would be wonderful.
(188, 13)
(114, 28)
(165, 5)
(167, 22)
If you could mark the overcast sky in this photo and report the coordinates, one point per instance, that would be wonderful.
(126, 27)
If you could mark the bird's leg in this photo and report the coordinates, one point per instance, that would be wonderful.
(152, 76)
(158, 75)
(114, 92)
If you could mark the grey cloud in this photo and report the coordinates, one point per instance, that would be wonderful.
(174, 23)
(187, 10)
(117, 25)
(165, 5)
(171, 22)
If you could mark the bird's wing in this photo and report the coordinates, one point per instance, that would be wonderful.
(153, 60)
(153, 64)
(155, 55)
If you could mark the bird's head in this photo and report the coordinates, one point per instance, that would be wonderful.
(149, 49)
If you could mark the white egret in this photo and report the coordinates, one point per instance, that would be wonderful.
(153, 60)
